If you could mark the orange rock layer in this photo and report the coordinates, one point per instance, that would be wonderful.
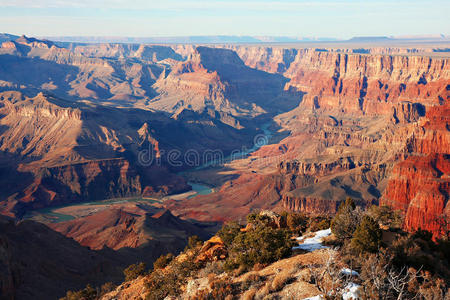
(420, 184)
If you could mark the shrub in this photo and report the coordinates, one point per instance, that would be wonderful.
(134, 271)
(419, 251)
(88, 293)
(249, 279)
(258, 267)
(221, 289)
(162, 284)
(296, 222)
(168, 282)
(258, 219)
(346, 220)
(214, 267)
(386, 216)
(194, 242)
(367, 237)
(228, 232)
(201, 295)
(107, 287)
(319, 223)
(260, 245)
(163, 261)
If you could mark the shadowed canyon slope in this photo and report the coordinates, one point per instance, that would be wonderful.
(34, 258)
(39, 263)
(65, 152)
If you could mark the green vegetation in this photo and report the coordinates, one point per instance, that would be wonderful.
(262, 244)
(392, 264)
(228, 232)
(168, 281)
(367, 236)
(404, 266)
(347, 218)
(296, 222)
(89, 293)
(163, 261)
(193, 242)
(386, 217)
(134, 271)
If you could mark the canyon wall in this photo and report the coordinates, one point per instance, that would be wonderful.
(402, 88)
(355, 83)
(363, 122)
(347, 122)
(420, 184)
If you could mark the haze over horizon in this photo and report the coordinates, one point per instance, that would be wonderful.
(324, 18)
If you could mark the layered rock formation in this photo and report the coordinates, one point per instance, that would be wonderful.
(70, 151)
(361, 115)
(354, 83)
(420, 184)
(218, 80)
(121, 73)
(400, 88)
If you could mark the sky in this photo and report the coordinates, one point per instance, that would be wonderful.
(147, 18)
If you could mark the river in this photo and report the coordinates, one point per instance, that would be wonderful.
(50, 214)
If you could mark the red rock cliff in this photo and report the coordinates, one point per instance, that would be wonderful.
(420, 184)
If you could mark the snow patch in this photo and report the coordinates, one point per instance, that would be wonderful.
(347, 271)
(314, 242)
(318, 297)
(351, 291)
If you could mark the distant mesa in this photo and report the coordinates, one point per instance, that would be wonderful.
(6, 37)
(364, 39)
(33, 42)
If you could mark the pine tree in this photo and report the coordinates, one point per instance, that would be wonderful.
(344, 223)
(367, 237)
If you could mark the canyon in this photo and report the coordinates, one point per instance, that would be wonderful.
(342, 119)
(83, 123)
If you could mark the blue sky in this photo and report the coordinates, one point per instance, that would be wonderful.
(144, 18)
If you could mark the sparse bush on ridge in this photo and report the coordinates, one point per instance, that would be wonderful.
(88, 293)
(134, 271)
(193, 242)
(228, 232)
(168, 281)
(296, 222)
(163, 261)
(250, 279)
(346, 220)
(319, 223)
(262, 244)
